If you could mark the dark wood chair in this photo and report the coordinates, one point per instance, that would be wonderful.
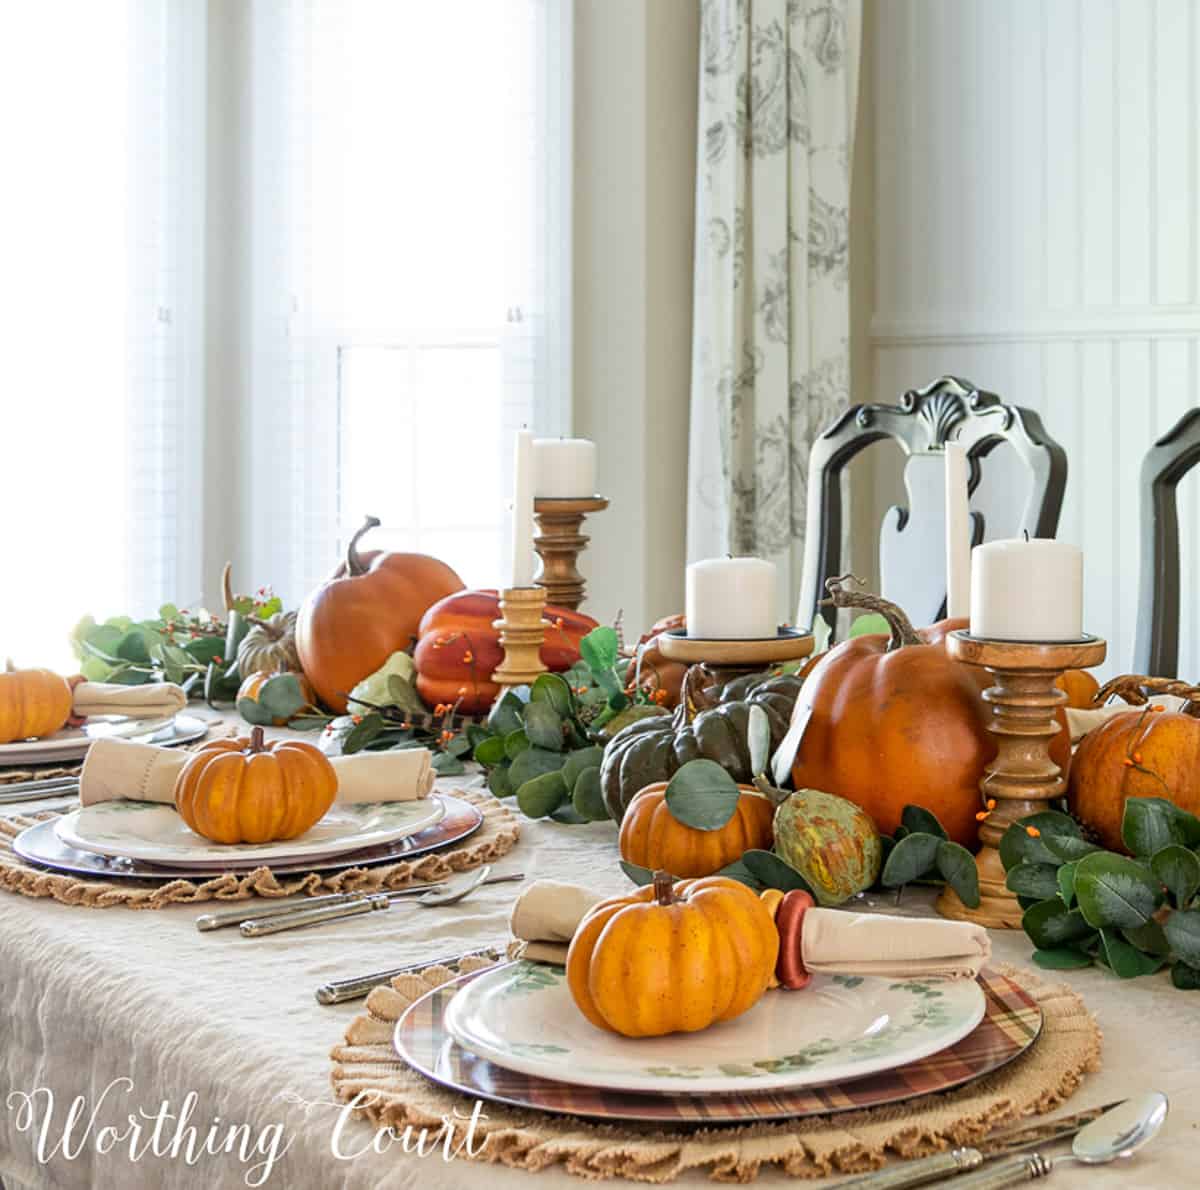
(912, 538)
(1156, 650)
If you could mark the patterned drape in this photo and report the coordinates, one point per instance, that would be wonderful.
(772, 314)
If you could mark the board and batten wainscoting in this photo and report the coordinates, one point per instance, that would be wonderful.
(1035, 226)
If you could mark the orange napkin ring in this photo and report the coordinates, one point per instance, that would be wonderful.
(789, 921)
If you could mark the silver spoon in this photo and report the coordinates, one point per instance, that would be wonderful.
(454, 895)
(1118, 1133)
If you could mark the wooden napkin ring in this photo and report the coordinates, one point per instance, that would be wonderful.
(789, 921)
(771, 899)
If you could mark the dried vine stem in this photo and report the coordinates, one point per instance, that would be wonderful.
(1137, 689)
(841, 594)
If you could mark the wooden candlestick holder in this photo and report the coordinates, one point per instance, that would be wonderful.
(522, 631)
(725, 660)
(559, 543)
(1022, 779)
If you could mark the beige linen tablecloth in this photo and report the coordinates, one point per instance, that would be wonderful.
(92, 996)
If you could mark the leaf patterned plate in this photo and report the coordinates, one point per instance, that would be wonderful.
(157, 834)
(522, 1017)
(72, 743)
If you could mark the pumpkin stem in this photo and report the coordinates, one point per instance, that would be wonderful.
(773, 794)
(1136, 690)
(354, 563)
(842, 595)
(227, 586)
(9, 668)
(663, 886)
(257, 740)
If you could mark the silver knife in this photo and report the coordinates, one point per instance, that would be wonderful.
(32, 791)
(341, 990)
(956, 1161)
(235, 917)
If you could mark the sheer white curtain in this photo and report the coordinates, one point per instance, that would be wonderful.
(410, 255)
(100, 296)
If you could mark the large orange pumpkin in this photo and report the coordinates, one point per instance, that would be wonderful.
(652, 837)
(895, 720)
(247, 791)
(33, 703)
(1143, 753)
(371, 608)
(672, 958)
(458, 649)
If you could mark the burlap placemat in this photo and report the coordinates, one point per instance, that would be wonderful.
(1038, 1081)
(496, 837)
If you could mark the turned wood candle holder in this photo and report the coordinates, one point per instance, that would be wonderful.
(559, 543)
(1022, 779)
(727, 659)
(522, 631)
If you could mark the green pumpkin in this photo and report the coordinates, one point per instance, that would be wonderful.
(831, 842)
(652, 749)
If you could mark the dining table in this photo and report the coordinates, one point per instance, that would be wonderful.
(113, 1012)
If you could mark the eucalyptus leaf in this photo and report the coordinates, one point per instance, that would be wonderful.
(1061, 958)
(362, 733)
(402, 693)
(1185, 977)
(505, 716)
(499, 781)
(1033, 880)
(204, 649)
(254, 712)
(308, 722)
(457, 745)
(476, 734)
(1051, 924)
(1112, 890)
(568, 815)
(541, 795)
(168, 612)
(599, 649)
(281, 695)
(534, 762)
(911, 858)
(916, 819)
(957, 867)
(578, 760)
(134, 647)
(639, 875)
(1066, 884)
(587, 795)
(1124, 960)
(1068, 848)
(1179, 869)
(1182, 930)
(773, 872)
(553, 690)
(1151, 823)
(1151, 938)
(1017, 845)
(515, 743)
(490, 751)
(544, 726)
(447, 765)
(742, 874)
(702, 795)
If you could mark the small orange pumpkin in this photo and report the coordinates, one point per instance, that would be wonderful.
(1079, 686)
(672, 958)
(33, 703)
(247, 791)
(652, 837)
(251, 689)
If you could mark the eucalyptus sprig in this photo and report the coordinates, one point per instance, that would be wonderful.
(1133, 914)
(921, 852)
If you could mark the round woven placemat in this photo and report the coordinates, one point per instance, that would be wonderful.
(1038, 1081)
(496, 837)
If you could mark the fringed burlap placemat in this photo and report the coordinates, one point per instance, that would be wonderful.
(40, 773)
(1038, 1081)
(496, 837)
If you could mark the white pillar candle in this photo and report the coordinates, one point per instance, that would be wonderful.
(522, 511)
(958, 532)
(1027, 590)
(731, 599)
(564, 468)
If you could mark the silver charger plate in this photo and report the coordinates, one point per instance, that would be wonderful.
(40, 845)
(72, 743)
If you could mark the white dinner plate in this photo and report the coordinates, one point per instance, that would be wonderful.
(522, 1017)
(72, 743)
(156, 833)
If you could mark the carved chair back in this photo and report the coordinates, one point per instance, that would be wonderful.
(912, 538)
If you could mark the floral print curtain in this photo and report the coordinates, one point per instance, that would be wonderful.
(772, 311)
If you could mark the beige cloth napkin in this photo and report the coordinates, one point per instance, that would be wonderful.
(1081, 720)
(834, 941)
(115, 769)
(155, 700)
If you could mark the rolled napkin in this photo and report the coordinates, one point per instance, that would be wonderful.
(155, 700)
(115, 769)
(832, 941)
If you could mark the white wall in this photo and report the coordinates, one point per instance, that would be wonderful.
(1035, 228)
(636, 69)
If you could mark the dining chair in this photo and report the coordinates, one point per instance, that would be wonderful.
(1156, 649)
(912, 538)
